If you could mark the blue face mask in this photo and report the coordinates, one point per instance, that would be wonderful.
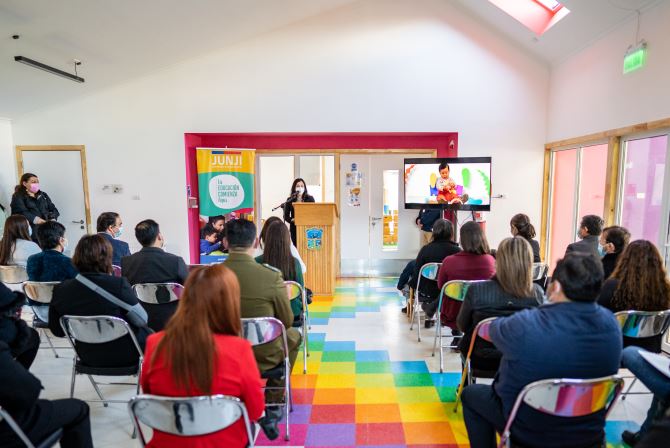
(601, 250)
(30, 231)
(118, 233)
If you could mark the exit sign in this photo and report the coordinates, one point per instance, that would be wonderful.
(635, 58)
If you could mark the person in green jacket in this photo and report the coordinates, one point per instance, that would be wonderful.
(277, 253)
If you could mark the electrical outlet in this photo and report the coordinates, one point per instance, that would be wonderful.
(112, 188)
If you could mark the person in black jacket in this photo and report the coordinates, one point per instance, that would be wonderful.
(93, 259)
(590, 229)
(298, 194)
(613, 241)
(441, 246)
(22, 340)
(425, 222)
(28, 200)
(520, 226)
(19, 396)
(110, 226)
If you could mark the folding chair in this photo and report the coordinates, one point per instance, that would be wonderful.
(100, 330)
(296, 292)
(565, 398)
(453, 290)
(540, 271)
(40, 295)
(116, 270)
(642, 324)
(428, 271)
(49, 441)
(188, 416)
(13, 276)
(481, 331)
(160, 300)
(262, 330)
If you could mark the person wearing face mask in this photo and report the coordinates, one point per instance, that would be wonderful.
(30, 201)
(613, 241)
(110, 226)
(298, 194)
(51, 265)
(590, 229)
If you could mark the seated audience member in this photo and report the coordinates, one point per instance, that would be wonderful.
(440, 247)
(612, 243)
(209, 240)
(589, 230)
(22, 340)
(656, 382)
(404, 281)
(16, 245)
(51, 265)
(510, 290)
(111, 227)
(200, 353)
(640, 283)
(261, 242)
(571, 337)
(19, 396)
(520, 226)
(473, 263)
(93, 258)
(152, 264)
(263, 295)
(277, 253)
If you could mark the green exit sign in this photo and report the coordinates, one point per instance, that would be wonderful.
(635, 58)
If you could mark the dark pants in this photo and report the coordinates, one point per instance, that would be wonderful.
(71, 415)
(26, 350)
(483, 415)
(294, 234)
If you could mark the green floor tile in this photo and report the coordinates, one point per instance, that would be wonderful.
(343, 309)
(339, 356)
(413, 379)
(447, 394)
(373, 367)
(315, 346)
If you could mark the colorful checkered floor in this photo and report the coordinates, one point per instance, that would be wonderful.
(369, 383)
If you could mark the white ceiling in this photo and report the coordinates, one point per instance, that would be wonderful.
(123, 39)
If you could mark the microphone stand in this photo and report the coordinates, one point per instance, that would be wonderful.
(289, 200)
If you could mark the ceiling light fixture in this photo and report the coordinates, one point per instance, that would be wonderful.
(49, 69)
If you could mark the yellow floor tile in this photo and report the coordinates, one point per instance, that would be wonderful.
(375, 380)
(328, 381)
(423, 412)
(337, 367)
(418, 395)
(376, 395)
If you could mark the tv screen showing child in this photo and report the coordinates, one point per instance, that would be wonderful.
(458, 183)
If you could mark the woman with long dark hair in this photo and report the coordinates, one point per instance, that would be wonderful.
(16, 246)
(298, 194)
(30, 201)
(277, 253)
(200, 353)
(261, 242)
(520, 226)
(639, 282)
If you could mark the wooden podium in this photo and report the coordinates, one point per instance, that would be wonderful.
(316, 227)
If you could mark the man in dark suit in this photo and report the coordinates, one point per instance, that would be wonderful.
(589, 231)
(152, 264)
(19, 396)
(111, 227)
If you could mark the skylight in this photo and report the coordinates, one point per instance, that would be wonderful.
(536, 15)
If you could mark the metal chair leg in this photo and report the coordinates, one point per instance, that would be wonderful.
(74, 376)
(623, 395)
(53, 349)
(288, 400)
(97, 390)
(437, 332)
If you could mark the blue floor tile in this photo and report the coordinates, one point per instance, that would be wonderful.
(409, 367)
(339, 346)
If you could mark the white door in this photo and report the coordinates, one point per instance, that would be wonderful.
(378, 236)
(61, 177)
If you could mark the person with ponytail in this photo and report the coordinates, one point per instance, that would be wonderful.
(200, 353)
(520, 226)
(16, 245)
(33, 203)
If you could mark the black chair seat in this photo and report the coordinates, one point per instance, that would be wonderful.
(51, 440)
(274, 373)
(478, 373)
(107, 371)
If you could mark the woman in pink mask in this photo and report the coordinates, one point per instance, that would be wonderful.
(28, 200)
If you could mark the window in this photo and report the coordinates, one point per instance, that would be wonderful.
(551, 5)
(390, 209)
(536, 15)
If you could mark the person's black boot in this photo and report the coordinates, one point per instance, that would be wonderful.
(269, 427)
(428, 323)
(630, 438)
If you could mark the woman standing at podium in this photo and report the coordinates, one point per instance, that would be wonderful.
(298, 194)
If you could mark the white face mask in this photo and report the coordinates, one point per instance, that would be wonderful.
(64, 243)
(300, 190)
(30, 231)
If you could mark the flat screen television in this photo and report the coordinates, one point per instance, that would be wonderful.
(462, 183)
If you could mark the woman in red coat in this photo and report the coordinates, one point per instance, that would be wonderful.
(200, 353)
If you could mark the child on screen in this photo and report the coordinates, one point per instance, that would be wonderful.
(209, 240)
(446, 188)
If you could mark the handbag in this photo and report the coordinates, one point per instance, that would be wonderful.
(136, 314)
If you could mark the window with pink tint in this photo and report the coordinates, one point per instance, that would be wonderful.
(562, 203)
(592, 179)
(642, 187)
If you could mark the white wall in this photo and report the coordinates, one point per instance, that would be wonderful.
(589, 92)
(374, 66)
(7, 163)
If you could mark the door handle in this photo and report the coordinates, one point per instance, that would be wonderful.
(372, 218)
(78, 222)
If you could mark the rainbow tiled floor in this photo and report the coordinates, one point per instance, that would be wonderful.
(369, 383)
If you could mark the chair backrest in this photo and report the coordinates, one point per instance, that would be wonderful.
(643, 324)
(428, 271)
(157, 293)
(294, 290)
(97, 330)
(456, 289)
(540, 271)
(567, 398)
(188, 416)
(40, 294)
(483, 329)
(261, 330)
(116, 270)
(13, 275)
